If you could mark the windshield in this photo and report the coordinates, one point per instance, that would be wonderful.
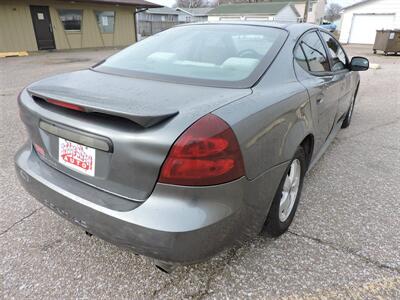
(226, 53)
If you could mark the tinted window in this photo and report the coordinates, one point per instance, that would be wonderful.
(337, 53)
(207, 52)
(71, 18)
(314, 52)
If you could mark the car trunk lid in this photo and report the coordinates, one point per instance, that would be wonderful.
(135, 121)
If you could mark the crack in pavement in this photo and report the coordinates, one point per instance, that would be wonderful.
(169, 283)
(205, 291)
(20, 221)
(347, 250)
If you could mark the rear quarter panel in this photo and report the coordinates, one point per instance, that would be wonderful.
(272, 122)
(269, 124)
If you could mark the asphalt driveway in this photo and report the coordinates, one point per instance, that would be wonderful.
(344, 243)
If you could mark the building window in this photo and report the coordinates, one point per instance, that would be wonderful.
(71, 19)
(106, 20)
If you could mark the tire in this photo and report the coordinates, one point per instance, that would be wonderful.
(279, 220)
(349, 114)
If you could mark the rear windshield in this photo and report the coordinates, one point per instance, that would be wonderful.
(218, 55)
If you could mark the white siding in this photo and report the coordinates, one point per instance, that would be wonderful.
(370, 7)
(316, 14)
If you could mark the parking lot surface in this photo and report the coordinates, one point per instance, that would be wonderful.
(344, 242)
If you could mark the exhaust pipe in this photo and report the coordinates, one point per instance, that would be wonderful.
(165, 266)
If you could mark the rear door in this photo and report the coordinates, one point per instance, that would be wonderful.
(43, 27)
(323, 87)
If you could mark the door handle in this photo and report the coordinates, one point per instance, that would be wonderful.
(320, 100)
(51, 28)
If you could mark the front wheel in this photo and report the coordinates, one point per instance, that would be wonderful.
(287, 197)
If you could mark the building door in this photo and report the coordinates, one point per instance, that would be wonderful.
(43, 28)
(364, 27)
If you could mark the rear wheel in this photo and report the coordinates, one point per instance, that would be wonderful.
(287, 197)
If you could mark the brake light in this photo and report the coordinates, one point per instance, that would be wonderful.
(207, 153)
(64, 104)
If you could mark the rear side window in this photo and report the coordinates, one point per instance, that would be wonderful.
(313, 52)
(336, 52)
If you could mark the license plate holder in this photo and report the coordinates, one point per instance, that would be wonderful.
(77, 157)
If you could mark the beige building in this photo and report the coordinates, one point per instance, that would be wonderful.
(32, 25)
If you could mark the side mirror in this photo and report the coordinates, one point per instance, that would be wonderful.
(359, 63)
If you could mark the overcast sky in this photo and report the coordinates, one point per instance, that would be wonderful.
(168, 3)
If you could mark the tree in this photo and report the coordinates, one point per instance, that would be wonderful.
(191, 3)
(332, 12)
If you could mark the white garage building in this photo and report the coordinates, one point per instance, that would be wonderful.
(361, 20)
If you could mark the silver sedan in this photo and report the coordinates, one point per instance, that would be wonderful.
(191, 140)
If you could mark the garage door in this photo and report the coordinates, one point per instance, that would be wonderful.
(363, 28)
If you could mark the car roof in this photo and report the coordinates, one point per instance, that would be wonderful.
(283, 25)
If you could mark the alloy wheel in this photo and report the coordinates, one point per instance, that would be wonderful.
(290, 190)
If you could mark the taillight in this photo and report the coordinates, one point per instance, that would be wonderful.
(64, 104)
(207, 153)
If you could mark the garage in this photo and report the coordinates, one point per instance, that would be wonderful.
(361, 20)
(364, 26)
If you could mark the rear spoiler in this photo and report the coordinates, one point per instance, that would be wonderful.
(143, 119)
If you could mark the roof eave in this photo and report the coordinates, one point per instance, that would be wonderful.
(137, 3)
(241, 14)
(356, 4)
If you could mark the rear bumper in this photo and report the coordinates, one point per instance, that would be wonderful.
(175, 224)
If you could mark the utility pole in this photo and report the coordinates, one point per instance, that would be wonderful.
(306, 11)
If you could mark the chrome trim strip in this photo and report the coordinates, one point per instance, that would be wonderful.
(77, 136)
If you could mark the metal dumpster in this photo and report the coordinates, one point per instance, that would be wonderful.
(387, 41)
